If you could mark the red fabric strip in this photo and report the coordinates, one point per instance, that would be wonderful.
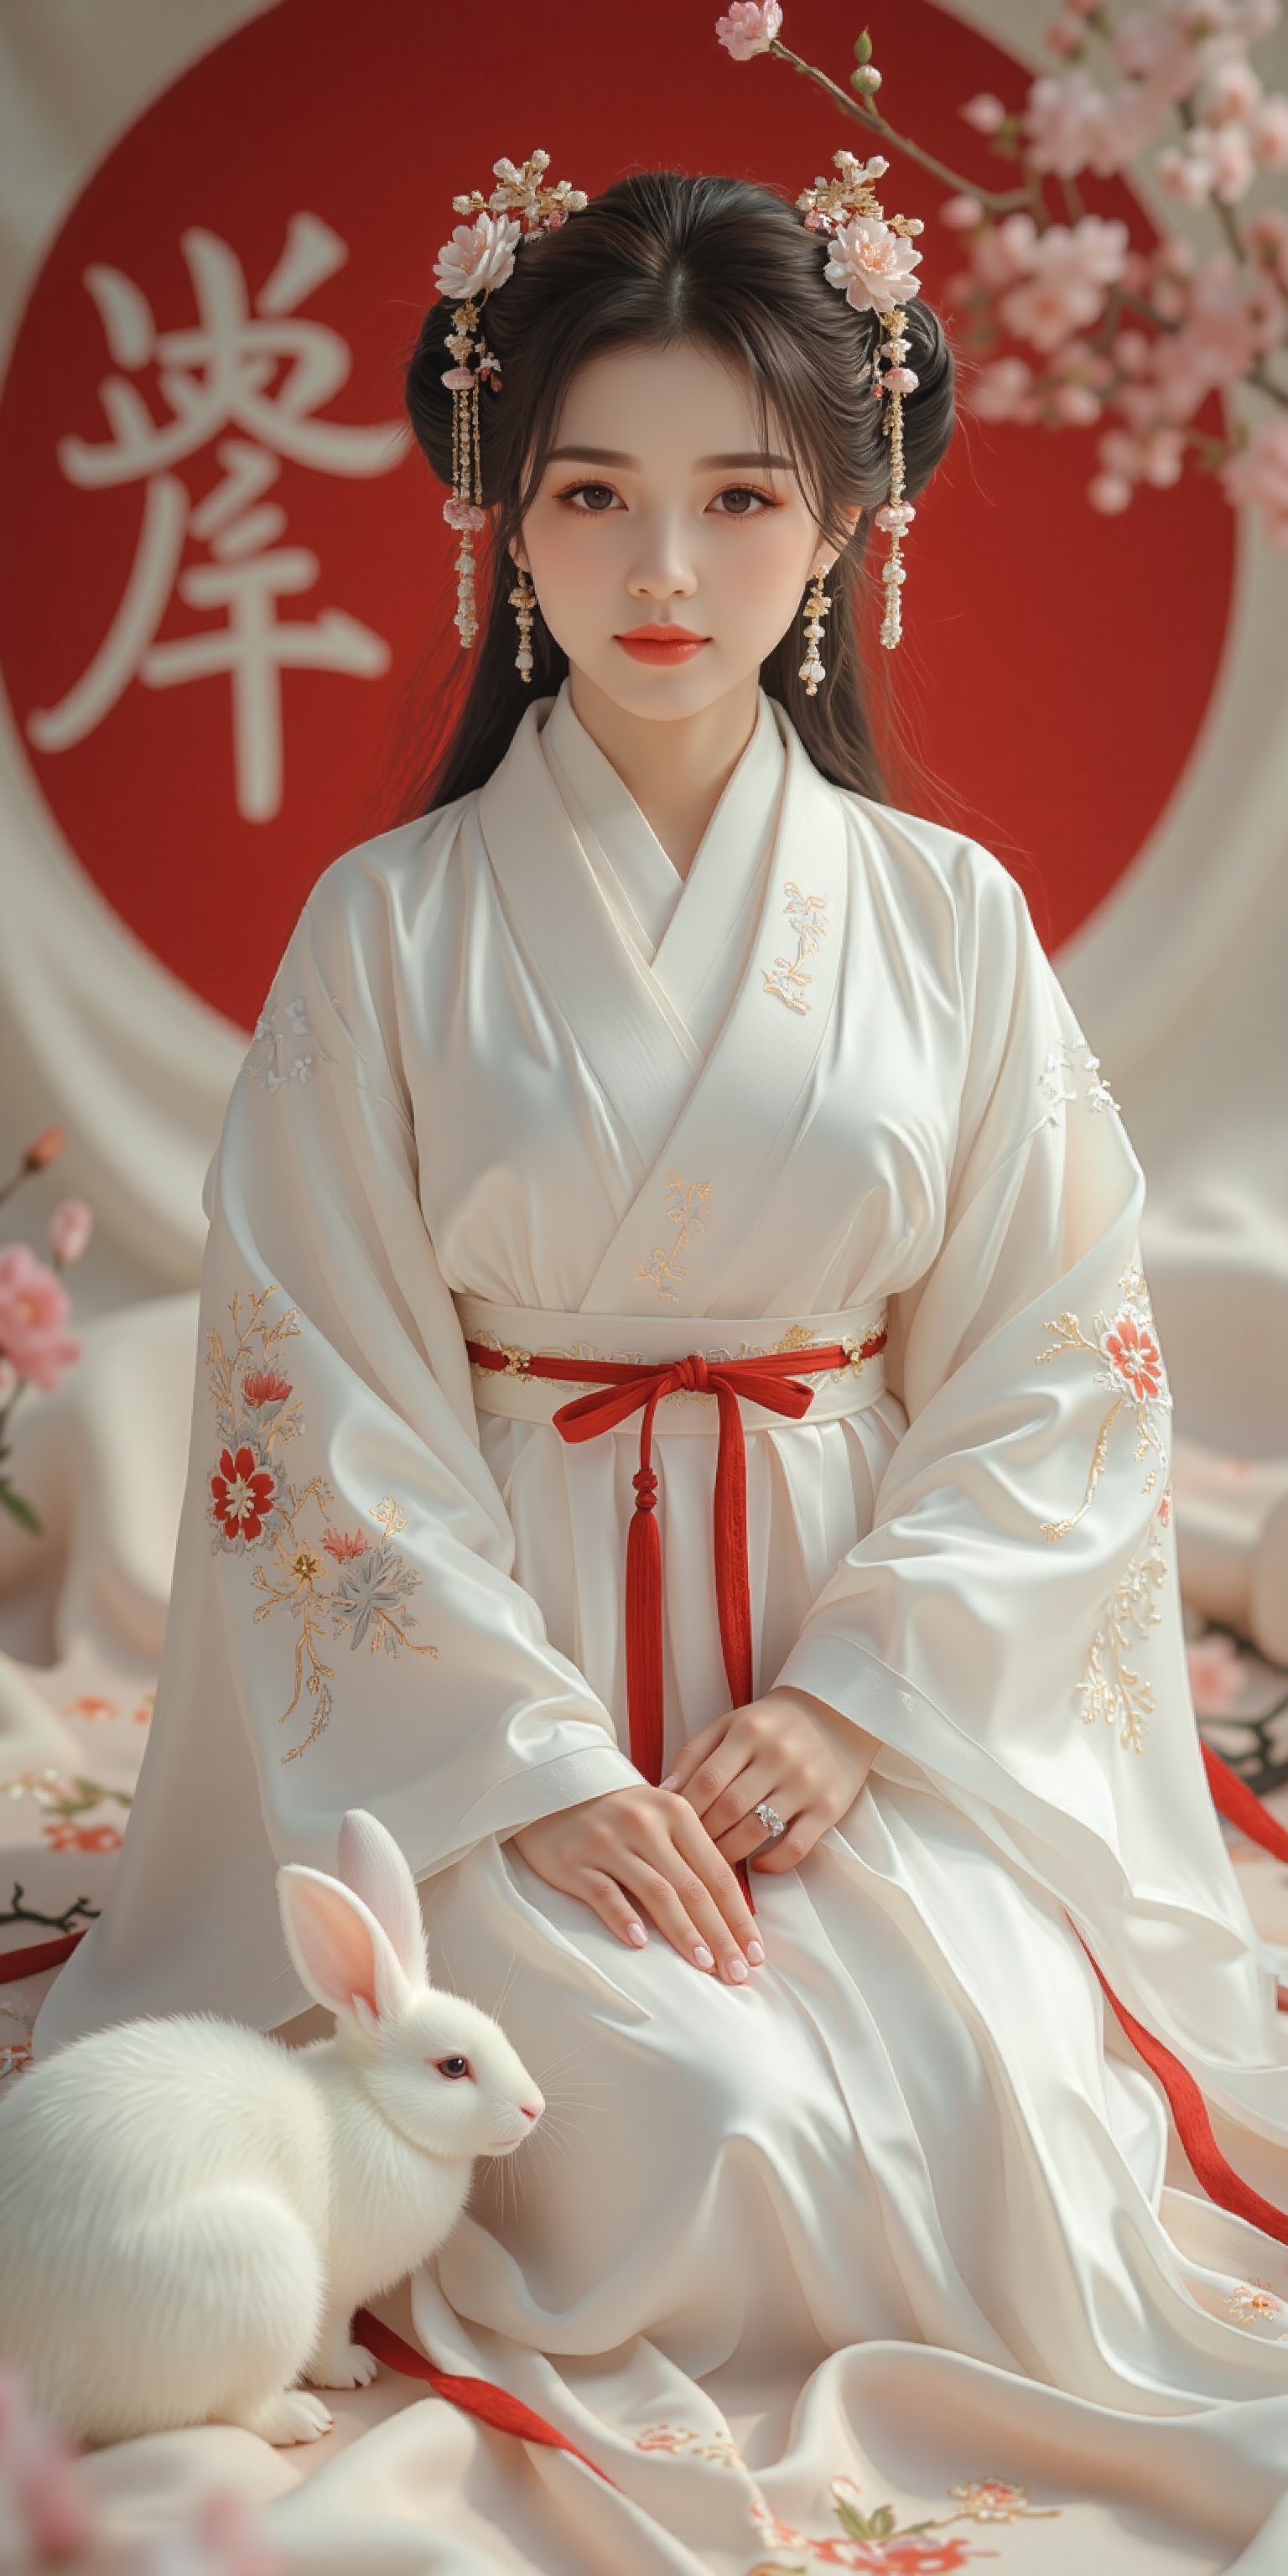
(1193, 2127)
(477, 2397)
(15, 1964)
(1240, 1806)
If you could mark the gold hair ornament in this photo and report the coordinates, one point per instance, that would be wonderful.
(478, 259)
(871, 261)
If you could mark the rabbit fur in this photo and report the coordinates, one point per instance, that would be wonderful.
(190, 2212)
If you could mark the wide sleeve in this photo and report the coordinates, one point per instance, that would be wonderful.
(1011, 1625)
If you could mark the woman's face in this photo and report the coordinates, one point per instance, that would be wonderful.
(660, 510)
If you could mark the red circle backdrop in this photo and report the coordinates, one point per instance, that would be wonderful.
(1058, 664)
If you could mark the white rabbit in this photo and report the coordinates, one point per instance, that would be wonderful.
(191, 2212)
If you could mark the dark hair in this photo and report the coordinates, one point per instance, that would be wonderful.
(656, 259)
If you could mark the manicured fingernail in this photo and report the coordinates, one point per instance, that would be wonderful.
(756, 1953)
(737, 1972)
(635, 1932)
(672, 1780)
(702, 1956)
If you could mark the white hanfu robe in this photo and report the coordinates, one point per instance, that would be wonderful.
(517, 1080)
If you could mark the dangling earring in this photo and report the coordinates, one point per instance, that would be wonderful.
(523, 600)
(816, 608)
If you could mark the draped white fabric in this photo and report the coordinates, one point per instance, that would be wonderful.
(908, 2146)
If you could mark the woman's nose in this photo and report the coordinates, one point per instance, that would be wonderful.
(662, 569)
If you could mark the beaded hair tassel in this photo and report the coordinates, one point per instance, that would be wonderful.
(871, 261)
(469, 268)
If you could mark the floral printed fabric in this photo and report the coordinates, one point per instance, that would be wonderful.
(348, 1584)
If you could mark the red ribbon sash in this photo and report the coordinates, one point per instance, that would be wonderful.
(623, 1387)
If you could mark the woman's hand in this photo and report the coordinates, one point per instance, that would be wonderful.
(641, 1851)
(807, 1760)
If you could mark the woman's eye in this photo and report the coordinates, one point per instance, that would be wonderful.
(740, 501)
(591, 498)
(453, 2068)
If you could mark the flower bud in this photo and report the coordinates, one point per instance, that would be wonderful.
(866, 80)
(44, 1148)
(863, 48)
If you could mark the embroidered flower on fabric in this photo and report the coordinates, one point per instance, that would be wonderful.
(877, 2539)
(1111, 1687)
(342, 1544)
(1253, 2303)
(1058, 1088)
(82, 1838)
(718, 2450)
(807, 915)
(686, 1209)
(1134, 1357)
(993, 2500)
(278, 1054)
(345, 1585)
(1133, 1372)
(243, 1489)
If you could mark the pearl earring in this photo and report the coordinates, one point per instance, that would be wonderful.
(523, 601)
(816, 607)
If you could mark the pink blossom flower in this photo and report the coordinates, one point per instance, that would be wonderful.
(1270, 135)
(1064, 122)
(749, 28)
(478, 257)
(1109, 494)
(1157, 456)
(1156, 47)
(35, 1311)
(1215, 1674)
(873, 265)
(70, 1228)
(1259, 473)
(1268, 235)
(1004, 391)
(985, 112)
(1065, 290)
(1004, 252)
(961, 214)
(1076, 405)
(1230, 93)
(1065, 39)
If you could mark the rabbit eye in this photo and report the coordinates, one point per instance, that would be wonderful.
(454, 2068)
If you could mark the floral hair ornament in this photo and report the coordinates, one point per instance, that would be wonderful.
(478, 258)
(871, 261)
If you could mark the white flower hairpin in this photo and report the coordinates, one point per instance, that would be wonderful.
(469, 268)
(872, 262)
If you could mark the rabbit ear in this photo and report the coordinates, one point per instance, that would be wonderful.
(339, 1949)
(371, 1863)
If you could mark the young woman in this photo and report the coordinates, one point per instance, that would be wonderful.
(664, 1080)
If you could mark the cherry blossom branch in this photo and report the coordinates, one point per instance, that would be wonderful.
(996, 201)
(1135, 339)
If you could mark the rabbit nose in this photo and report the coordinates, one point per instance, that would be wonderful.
(533, 2110)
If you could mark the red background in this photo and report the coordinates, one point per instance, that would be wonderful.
(1032, 622)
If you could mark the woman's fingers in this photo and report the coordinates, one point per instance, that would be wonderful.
(795, 1845)
(694, 1753)
(613, 1906)
(737, 1923)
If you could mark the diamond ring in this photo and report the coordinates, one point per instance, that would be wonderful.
(770, 1819)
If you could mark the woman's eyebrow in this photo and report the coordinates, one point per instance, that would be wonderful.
(704, 464)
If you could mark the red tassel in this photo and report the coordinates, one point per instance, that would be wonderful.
(644, 1669)
(477, 2397)
(733, 1580)
(1242, 1808)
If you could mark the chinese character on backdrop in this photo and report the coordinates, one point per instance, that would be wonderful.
(250, 384)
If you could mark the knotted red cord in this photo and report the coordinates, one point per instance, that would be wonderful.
(622, 1387)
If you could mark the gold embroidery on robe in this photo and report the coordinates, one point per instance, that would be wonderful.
(807, 914)
(1111, 1687)
(686, 1210)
